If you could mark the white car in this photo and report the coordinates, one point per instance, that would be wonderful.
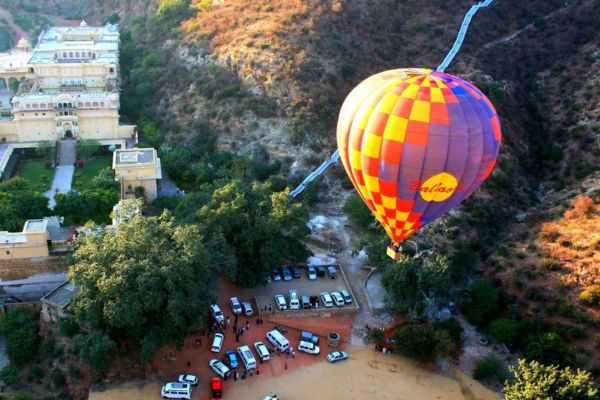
(191, 379)
(247, 308)
(217, 343)
(217, 313)
(311, 272)
(262, 351)
(236, 307)
(337, 356)
(219, 368)
(308, 347)
(280, 302)
(338, 299)
(176, 390)
(326, 300)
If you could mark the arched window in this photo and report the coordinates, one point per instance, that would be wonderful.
(64, 54)
(43, 105)
(101, 104)
(76, 54)
(95, 104)
(28, 106)
(60, 106)
(90, 54)
(70, 54)
(87, 104)
(80, 104)
(35, 105)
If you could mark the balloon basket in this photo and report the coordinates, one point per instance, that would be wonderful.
(393, 253)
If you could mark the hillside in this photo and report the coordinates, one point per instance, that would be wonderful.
(266, 79)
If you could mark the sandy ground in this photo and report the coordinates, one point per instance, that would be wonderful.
(367, 374)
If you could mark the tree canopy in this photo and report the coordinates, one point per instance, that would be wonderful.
(261, 228)
(20, 202)
(150, 282)
(534, 381)
(415, 285)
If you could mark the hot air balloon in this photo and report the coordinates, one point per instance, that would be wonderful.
(415, 143)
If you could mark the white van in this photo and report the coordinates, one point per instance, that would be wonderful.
(262, 351)
(278, 340)
(217, 313)
(294, 301)
(247, 357)
(217, 343)
(308, 347)
(176, 390)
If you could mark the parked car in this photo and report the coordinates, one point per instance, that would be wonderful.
(216, 388)
(219, 368)
(337, 356)
(314, 301)
(236, 307)
(247, 307)
(280, 302)
(306, 303)
(276, 274)
(331, 272)
(321, 270)
(309, 337)
(217, 343)
(297, 272)
(231, 359)
(262, 351)
(191, 379)
(294, 301)
(286, 274)
(176, 390)
(346, 296)
(217, 313)
(308, 347)
(338, 299)
(326, 299)
(311, 272)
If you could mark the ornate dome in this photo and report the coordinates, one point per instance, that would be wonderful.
(83, 23)
(23, 44)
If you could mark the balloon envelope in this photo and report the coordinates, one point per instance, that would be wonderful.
(416, 143)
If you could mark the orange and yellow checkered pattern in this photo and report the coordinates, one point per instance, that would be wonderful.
(403, 128)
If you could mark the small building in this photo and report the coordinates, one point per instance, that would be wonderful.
(137, 168)
(55, 303)
(31, 242)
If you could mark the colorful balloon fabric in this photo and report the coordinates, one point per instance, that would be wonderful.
(416, 143)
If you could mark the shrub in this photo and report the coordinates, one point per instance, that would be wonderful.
(105, 179)
(551, 264)
(504, 330)
(591, 296)
(374, 335)
(548, 348)
(35, 373)
(452, 327)
(483, 303)
(10, 375)
(68, 327)
(490, 367)
(358, 212)
(20, 329)
(58, 378)
(23, 396)
(416, 341)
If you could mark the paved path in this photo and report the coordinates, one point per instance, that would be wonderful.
(63, 175)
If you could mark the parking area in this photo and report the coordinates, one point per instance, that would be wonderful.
(305, 287)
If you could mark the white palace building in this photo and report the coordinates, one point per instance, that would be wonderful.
(65, 87)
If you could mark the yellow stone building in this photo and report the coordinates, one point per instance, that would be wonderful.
(70, 87)
(31, 242)
(137, 168)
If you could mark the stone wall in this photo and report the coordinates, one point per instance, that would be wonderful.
(25, 267)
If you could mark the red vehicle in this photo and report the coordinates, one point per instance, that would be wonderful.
(216, 387)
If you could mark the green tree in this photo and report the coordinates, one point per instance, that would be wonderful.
(490, 367)
(20, 202)
(23, 396)
(89, 205)
(262, 228)
(534, 381)
(416, 341)
(548, 348)
(504, 330)
(415, 286)
(20, 328)
(10, 375)
(68, 327)
(151, 132)
(358, 212)
(482, 302)
(97, 350)
(149, 267)
(87, 147)
(105, 179)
